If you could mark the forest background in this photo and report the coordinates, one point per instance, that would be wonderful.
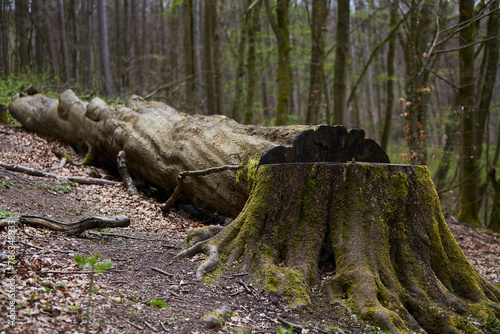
(419, 76)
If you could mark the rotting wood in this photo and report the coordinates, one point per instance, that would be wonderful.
(75, 228)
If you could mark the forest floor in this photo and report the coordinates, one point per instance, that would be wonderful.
(128, 296)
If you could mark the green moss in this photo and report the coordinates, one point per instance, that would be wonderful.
(249, 174)
(90, 159)
(463, 325)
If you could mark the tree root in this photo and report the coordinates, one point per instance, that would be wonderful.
(200, 240)
(71, 228)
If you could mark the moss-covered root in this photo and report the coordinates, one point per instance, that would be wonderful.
(208, 249)
(203, 233)
(217, 318)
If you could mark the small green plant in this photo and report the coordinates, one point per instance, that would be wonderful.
(94, 268)
(6, 184)
(282, 330)
(7, 214)
(157, 303)
(492, 324)
(379, 330)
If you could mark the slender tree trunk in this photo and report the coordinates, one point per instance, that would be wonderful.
(37, 17)
(251, 61)
(63, 41)
(104, 51)
(50, 37)
(284, 74)
(88, 69)
(188, 41)
(139, 80)
(341, 62)
(240, 70)
(491, 55)
(211, 56)
(414, 129)
(22, 34)
(469, 176)
(317, 22)
(74, 39)
(391, 57)
(4, 36)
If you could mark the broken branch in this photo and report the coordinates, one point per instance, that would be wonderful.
(39, 173)
(180, 182)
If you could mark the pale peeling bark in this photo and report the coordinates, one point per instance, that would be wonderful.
(160, 142)
(395, 258)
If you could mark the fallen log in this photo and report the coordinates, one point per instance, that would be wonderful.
(75, 228)
(160, 142)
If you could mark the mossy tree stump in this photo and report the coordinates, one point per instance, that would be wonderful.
(395, 258)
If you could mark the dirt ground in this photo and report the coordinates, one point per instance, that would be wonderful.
(146, 290)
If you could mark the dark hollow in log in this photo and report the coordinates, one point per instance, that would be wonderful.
(395, 258)
(160, 142)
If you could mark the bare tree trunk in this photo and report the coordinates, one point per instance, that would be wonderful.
(88, 69)
(137, 61)
(50, 37)
(284, 74)
(341, 57)
(63, 41)
(240, 69)
(211, 56)
(22, 34)
(37, 18)
(317, 22)
(4, 36)
(469, 199)
(188, 60)
(251, 61)
(391, 53)
(104, 51)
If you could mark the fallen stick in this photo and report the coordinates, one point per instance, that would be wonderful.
(71, 228)
(39, 173)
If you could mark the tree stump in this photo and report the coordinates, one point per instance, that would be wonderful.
(395, 258)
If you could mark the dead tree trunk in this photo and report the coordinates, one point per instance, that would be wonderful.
(394, 257)
(160, 142)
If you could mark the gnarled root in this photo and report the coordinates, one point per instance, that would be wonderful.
(201, 239)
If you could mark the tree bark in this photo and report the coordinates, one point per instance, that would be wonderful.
(389, 103)
(188, 44)
(103, 47)
(22, 34)
(63, 40)
(284, 73)
(469, 199)
(253, 26)
(341, 56)
(160, 143)
(379, 226)
(50, 37)
(317, 23)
